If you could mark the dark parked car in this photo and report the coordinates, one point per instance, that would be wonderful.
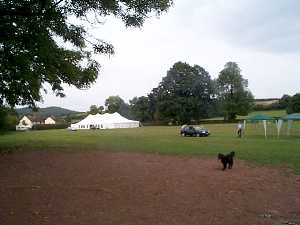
(194, 131)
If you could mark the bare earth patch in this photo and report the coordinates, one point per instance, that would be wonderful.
(100, 188)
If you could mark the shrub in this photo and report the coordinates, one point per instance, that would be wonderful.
(49, 126)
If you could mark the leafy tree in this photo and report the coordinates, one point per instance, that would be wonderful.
(184, 94)
(124, 110)
(101, 109)
(8, 118)
(30, 55)
(113, 103)
(117, 104)
(140, 108)
(284, 101)
(294, 104)
(93, 109)
(153, 109)
(234, 96)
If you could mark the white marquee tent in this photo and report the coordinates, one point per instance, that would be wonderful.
(105, 121)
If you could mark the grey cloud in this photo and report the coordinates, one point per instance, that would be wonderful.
(267, 25)
(263, 25)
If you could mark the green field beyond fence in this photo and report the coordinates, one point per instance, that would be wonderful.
(272, 113)
(284, 150)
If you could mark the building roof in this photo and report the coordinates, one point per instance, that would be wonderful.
(294, 116)
(260, 117)
(40, 119)
(52, 117)
(104, 119)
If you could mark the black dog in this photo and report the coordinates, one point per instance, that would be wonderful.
(226, 159)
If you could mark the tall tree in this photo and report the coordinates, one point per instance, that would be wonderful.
(101, 109)
(30, 55)
(184, 94)
(140, 108)
(93, 109)
(234, 95)
(294, 104)
(8, 118)
(117, 104)
(284, 101)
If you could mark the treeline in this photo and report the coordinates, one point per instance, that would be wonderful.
(187, 94)
(8, 118)
(289, 103)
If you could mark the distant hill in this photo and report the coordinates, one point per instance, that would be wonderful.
(48, 111)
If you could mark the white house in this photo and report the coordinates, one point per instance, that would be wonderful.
(105, 121)
(27, 122)
(50, 120)
(24, 124)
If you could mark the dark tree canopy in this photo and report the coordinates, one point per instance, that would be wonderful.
(140, 108)
(113, 103)
(294, 104)
(8, 119)
(30, 55)
(184, 94)
(234, 95)
(117, 104)
(94, 109)
(284, 101)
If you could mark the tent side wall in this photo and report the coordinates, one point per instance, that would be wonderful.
(132, 124)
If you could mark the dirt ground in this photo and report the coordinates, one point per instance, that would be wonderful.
(100, 188)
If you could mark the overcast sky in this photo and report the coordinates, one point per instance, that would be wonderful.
(263, 37)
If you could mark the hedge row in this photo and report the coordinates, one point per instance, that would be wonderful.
(49, 126)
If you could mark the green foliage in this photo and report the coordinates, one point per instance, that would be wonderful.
(8, 119)
(284, 101)
(234, 95)
(185, 94)
(140, 108)
(30, 55)
(49, 126)
(117, 104)
(94, 110)
(113, 103)
(125, 111)
(101, 109)
(294, 104)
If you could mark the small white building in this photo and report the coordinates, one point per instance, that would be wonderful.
(50, 120)
(27, 122)
(24, 124)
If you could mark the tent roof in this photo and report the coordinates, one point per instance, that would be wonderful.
(104, 119)
(260, 117)
(294, 116)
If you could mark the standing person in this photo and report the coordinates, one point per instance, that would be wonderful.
(239, 129)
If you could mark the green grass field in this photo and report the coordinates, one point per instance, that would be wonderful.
(273, 113)
(284, 151)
